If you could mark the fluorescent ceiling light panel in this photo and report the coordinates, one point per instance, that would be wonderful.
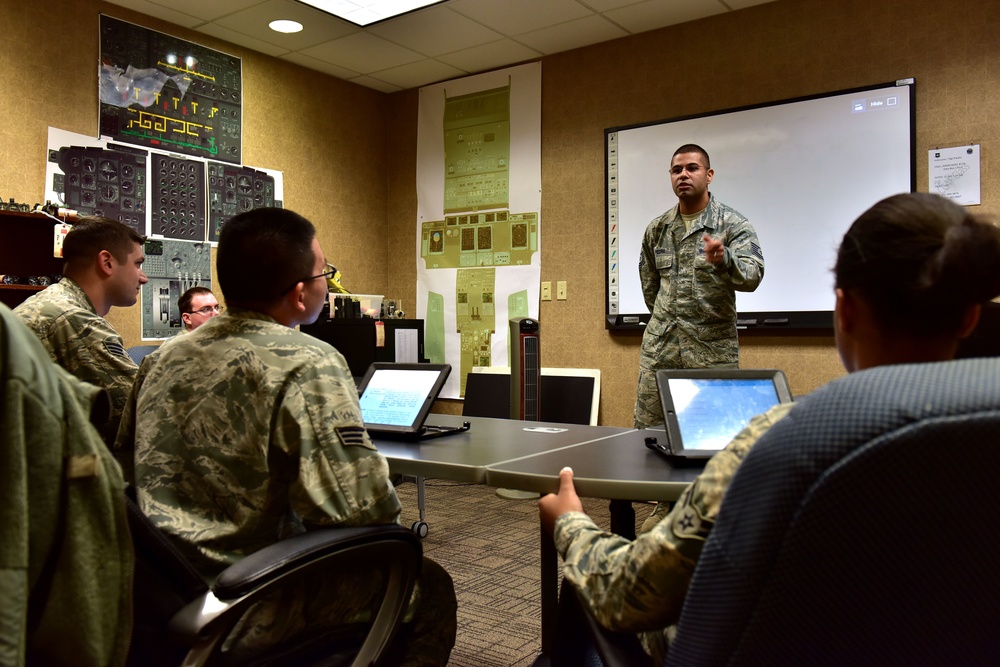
(366, 12)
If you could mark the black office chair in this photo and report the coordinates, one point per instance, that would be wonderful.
(860, 530)
(179, 618)
(567, 396)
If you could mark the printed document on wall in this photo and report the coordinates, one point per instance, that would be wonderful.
(954, 173)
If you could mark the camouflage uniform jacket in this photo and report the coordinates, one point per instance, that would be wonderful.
(693, 302)
(639, 585)
(246, 431)
(65, 552)
(82, 342)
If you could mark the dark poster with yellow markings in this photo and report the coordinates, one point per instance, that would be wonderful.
(166, 93)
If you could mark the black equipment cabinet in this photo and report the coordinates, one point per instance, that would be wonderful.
(356, 339)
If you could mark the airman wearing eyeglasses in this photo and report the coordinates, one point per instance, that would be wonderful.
(198, 305)
(247, 430)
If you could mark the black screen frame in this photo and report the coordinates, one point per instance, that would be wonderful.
(670, 421)
(443, 370)
(749, 320)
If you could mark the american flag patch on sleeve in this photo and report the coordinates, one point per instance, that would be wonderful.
(351, 435)
(755, 249)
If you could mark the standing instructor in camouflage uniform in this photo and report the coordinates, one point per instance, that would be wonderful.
(694, 258)
(246, 431)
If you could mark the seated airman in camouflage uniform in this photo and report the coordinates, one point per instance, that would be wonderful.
(246, 431)
(911, 276)
(103, 269)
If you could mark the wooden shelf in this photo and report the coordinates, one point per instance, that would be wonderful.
(26, 250)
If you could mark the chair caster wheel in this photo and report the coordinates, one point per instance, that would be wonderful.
(420, 528)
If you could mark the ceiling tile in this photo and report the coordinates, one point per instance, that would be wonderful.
(241, 39)
(572, 35)
(160, 12)
(206, 11)
(369, 82)
(653, 14)
(318, 27)
(513, 17)
(605, 5)
(363, 52)
(490, 56)
(319, 65)
(418, 74)
(435, 31)
(459, 35)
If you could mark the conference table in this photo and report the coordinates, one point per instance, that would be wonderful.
(608, 462)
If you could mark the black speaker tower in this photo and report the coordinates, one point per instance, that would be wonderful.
(525, 369)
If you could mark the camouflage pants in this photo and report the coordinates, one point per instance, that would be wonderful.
(666, 352)
(307, 609)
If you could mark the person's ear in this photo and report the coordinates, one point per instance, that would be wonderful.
(708, 175)
(846, 311)
(296, 298)
(186, 319)
(970, 319)
(106, 262)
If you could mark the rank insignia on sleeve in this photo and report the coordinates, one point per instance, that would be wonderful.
(115, 349)
(351, 435)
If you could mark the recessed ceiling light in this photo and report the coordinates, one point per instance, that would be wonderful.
(283, 25)
(366, 12)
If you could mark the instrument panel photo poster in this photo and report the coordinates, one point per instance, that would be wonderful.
(163, 92)
(478, 216)
(159, 194)
(178, 202)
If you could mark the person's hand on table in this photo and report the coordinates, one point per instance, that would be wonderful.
(553, 505)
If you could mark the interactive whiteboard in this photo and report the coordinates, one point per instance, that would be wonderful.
(801, 170)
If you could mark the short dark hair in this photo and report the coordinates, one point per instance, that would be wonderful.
(92, 234)
(261, 254)
(920, 260)
(184, 303)
(693, 148)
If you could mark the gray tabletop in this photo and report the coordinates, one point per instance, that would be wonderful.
(464, 457)
(618, 466)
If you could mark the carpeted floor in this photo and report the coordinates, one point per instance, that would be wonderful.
(490, 547)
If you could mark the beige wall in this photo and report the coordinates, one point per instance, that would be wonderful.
(327, 136)
(349, 153)
(775, 51)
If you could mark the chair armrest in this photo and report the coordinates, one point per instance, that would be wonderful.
(207, 620)
(289, 554)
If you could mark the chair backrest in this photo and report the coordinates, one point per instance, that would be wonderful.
(568, 395)
(862, 529)
(138, 352)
